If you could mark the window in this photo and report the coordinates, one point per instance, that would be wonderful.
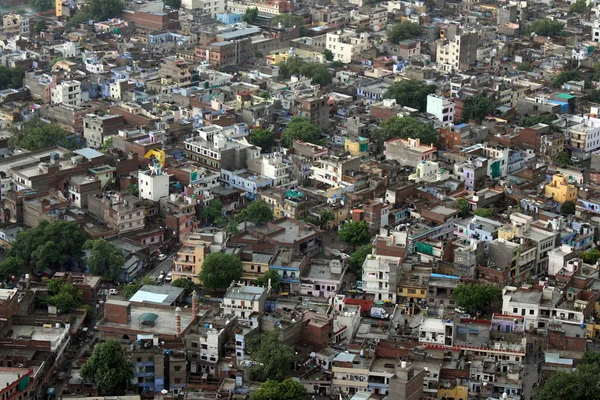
(515, 310)
(531, 312)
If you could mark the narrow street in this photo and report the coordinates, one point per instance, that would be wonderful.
(533, 358)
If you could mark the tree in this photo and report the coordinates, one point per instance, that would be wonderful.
(289, 21)
(219, 270)
(579, 385)
(357, 258)
(568, 208)
(484, 212)
(11, 78)
(591, 256)
(41, 26)
(109, 368)
(11, 266)
(258, 212)
(524, 66)
(289, 389)
(477, 107)
(107, 145)
(187, 285)
(297, 66)
(591, 357)
(133, 189)
(579, 7)
(547, 119)
(402, 31)
(63, 295)
(37, 134)
(325, 217)
(355, 233)
(262, 138)
(475, 297)
(213, 211)
(328, 54)
(101, 10)
(264, 280)
(130, 289)
(405, 128)
(175, 4)
(52, 246)
(410, 93)
(41, 5)
(463, 205)
(250, 15)
(300, 128)
(545, 27)
(232, 227)
(566, 77)
(563, 158)
(271, 358)
(105, 259)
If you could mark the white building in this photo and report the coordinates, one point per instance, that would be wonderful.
(558, 257)
(208, 341)
(346, 44)
(442, 108)
(212, 7)
(437, 331)
(245, 301)
(153, 184)
(429, 171)
(380, 277)
(456, 50)
(585, 137)
(272, 166)
(67, 92)
(244, 180)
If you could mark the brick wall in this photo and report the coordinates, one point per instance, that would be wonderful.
(117, 313)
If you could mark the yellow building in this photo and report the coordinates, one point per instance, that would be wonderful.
(457, 393)
(255, 265)
(357, 147)
(561, 190)
(190, 258)
(286, 203)
(59, 7)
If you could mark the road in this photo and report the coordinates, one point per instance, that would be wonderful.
(533, 358)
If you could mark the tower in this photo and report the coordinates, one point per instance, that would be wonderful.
(178, 322)
(407, 383)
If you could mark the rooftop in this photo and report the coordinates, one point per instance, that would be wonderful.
(164, 295)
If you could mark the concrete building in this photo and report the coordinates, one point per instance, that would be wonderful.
(190, 258)
(409, 152)
(69, 93)
(322, 279)
(123, 213)
(214, 150)
(316, 109)
(585, 137)
(98, 128)
(153, 183)
(209, 7)
(457, 50)
(560, 189)
(407, 382)
(245, 301)
(442, 108)
(380, 277)
(347, 44)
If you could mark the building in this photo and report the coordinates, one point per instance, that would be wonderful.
(124, 213)
(229, 18)
(407, 382)
(98, 128)
(322, 279)
(15, 25)
(18, 383)
(585, 136)
(69, 93)
(457, 50)
(347, 44)
(153, 184)
(408, 152)
(190, 257)
(315, 109)
(442, 108)
(212, 149)
(560, 190)
(209, 7)
(175, 70)
(245, 301)
(380, 277)
(153, 21)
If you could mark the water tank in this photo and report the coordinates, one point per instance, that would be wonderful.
(403, 364)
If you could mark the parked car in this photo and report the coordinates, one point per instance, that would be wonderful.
(112, 291)
(161, 276)
(169, 277)
(162, 257)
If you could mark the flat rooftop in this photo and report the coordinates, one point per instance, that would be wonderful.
(245, 292)
(165, 295)
(321, 271)
(40, 333)
(164, 324)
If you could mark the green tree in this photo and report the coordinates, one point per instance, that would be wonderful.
(11, 266)
(186, 284)
(80, 17)
(11, 78)
(328, 54)
(41, 26)
(219, 270)
(591, 358)
(579, 385)
(131, 288)
(357, 258)
(250, 15)
(563, 158)
(109, 368)
(477, 107)
(297, 66)
(402, 31)
(475, 297)
(101, 10)
(547, 119)
(37, 134)
(264, 280)
(579, 7)
(410, 93)
(567, 76)
(271, 358)
(213, 211)
(405, 128)
(289, 20)
(52, 246)
(63, 295)
(107, 145)
(484, 212)
(258, 212)
(105, 259)
(262, 138)
(325, 218)
(175, 4)
(524, 66)
(41, 5)
(591, 256)
(288, 389)
(568, 208)
(232, 227)
(133, 189)
(463, 205)
(300, 128)
(355, 233)
(545, 27)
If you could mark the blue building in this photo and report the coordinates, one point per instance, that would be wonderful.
(289, 269)
(229, 18)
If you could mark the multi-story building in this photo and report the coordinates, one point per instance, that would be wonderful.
(478, 228)
(560, 190)
(124, 213)
(204, 345)
(214, 150)
(442, 108)
(316, 109)
(175, 70)
(347, 44)
(98, 128)
(148, 361)
(245, 301)
(409, 152)
(69, 93)
(15, 24)
(585, 136)
(153, 183)
(380, 277)
(457, 50)
(331, 171)
(190, 258)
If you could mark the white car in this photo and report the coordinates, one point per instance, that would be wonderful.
(162, 257)
(112, 291)
(169, 277)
